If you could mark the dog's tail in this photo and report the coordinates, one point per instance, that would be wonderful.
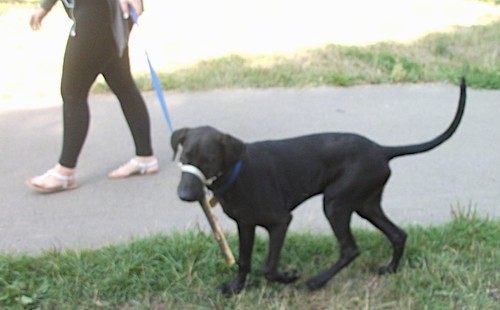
(427, 146)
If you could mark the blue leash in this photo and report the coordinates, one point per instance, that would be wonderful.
(154, 79)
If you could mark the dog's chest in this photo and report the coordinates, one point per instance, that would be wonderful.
(241, 212)
(232, 209)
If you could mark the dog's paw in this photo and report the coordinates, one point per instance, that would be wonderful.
(231, 288)
(290, 276)
(315, 283)
(386, 270)
(283, 277)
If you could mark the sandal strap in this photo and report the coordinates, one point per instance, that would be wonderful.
(143, 167)
(65, 179)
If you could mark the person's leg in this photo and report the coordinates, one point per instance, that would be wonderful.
(86, 55)
(119, 78)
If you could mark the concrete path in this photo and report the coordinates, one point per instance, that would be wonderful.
(423, 190)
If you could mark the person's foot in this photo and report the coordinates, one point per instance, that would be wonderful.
(54, 180)
(137, 165)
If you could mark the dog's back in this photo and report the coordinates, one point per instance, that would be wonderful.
(305, 166)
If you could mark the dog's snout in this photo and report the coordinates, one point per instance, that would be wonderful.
(187, 195)
(190, 188)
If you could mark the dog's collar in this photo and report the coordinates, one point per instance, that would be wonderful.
(209, 181)
(232, 178)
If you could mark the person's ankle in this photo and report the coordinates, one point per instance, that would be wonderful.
(64, 170)
(144, 159)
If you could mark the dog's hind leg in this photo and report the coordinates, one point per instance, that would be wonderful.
(375, 215)
(339, 216)
(277, 233)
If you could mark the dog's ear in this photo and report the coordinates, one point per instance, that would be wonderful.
(233, 148)
(177, 138)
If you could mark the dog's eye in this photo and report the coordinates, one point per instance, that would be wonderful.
(183, 158)
(186, 155)
(211, 160)
(209, 165)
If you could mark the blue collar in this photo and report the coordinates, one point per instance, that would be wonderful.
(232, 178)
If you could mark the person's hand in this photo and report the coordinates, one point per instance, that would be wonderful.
(37, 17)
(136, 4)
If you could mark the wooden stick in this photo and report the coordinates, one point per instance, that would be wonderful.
(219, 235)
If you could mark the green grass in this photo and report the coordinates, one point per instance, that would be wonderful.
(493, 2)
(439, 57)
(453, 266)
(6, 5)
(19, 2)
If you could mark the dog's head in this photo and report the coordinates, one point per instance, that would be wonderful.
(207, 150)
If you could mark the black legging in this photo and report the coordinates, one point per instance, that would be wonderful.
(92, 52)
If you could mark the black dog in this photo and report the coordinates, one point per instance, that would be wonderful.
(261, 183)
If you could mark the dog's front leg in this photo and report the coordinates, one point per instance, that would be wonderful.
(277, 235)
(246, 240)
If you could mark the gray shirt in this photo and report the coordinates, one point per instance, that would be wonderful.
(119, 25)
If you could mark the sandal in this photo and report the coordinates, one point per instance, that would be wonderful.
(134, 167)
(64, 182)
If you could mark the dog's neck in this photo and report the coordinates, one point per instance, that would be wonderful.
(230, 178)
